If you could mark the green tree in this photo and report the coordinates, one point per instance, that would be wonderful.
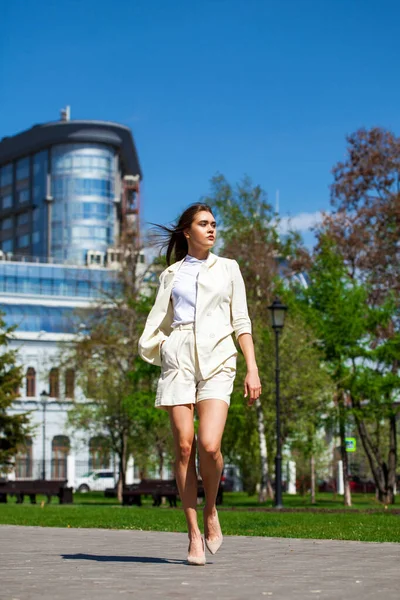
(119, 387)
(14, 428)
(249, 230)
(364, 225)
(347, 328)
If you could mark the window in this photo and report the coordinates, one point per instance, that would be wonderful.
(54, 383)
(6, 224)
(91, 210)
(23, 460)
(7, 246)
(99, 453)
(22, 171)
(23, 196)
(23, 241)
(68, 186)
(31, 382)
(39, 176)
(7, 201)
(60, 448)
(36, 237)
(100, 233)
(69, 383)
(23, 219)
(6, 175)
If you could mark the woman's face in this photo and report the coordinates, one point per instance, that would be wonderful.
(202, 232)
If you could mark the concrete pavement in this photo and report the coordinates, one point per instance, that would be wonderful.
(98, 564)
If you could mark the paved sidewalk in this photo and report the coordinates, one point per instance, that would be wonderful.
(95, 564)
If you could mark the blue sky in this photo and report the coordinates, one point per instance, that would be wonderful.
(266, 88)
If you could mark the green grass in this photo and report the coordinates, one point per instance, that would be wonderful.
(93, 510)
(324, 500)
(241, 500)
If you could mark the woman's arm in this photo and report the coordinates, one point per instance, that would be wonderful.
(242, 326)
(252, 383)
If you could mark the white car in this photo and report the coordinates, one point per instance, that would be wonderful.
(95, 481)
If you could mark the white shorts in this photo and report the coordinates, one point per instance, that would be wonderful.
(180, 381)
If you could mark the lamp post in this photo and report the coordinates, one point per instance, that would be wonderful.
(278, 313)
(44, 397)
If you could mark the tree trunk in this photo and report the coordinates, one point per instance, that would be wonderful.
(392, 462)
(122, 456)
(270, 489)
(263, 493)
(384, 474)
(312, 464)
(160, 463)
(343, 452)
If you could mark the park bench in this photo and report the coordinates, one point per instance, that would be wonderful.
(159, 488)
(38, 486)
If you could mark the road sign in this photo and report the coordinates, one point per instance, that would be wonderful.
(351, 444)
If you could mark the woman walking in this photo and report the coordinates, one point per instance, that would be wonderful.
(201, 301)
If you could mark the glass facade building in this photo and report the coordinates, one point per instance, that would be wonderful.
(60, 205)
(67, 194)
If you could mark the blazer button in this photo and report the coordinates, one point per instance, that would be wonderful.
(209, 314)
(212, 335)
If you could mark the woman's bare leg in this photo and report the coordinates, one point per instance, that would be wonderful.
(181, 418)
(212, 418)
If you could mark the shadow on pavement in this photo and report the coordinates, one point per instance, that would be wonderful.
(137, 559)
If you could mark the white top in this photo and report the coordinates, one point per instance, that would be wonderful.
(184, 291)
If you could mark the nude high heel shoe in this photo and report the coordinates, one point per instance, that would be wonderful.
(214, 545)
(197, 560)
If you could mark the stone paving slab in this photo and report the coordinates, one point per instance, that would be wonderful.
(99, 564)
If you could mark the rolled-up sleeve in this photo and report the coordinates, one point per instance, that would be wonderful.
(240, 317)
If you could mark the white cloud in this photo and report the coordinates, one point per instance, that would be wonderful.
(299, 222)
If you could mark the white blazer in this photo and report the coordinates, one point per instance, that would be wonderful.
(221, 309)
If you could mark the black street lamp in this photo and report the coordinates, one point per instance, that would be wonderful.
(278, 313)
(44, 397)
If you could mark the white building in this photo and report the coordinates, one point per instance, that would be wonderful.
(68, 190)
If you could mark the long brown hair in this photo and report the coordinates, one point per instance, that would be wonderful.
(173, 236)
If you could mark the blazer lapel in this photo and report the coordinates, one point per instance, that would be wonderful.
(163, 302)
(170, 274)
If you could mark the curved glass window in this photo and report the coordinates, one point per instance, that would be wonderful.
(90, 210)
(84, 186)
(83, 189)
